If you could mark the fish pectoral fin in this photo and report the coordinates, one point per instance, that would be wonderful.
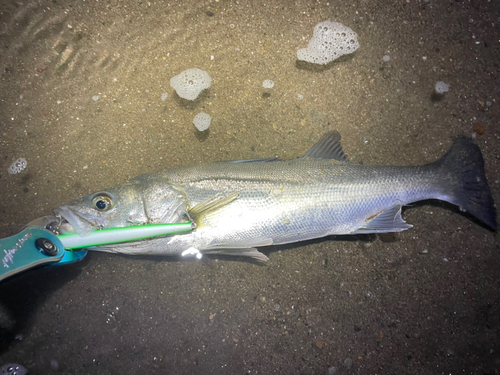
(247, 252)
(389, 220)
(213, 203)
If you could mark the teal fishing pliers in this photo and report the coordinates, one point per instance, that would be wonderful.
(40, 244)
(32, 247)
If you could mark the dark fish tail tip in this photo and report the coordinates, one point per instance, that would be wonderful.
(468, 187)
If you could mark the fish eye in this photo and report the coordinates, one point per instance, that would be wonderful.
(102, 202)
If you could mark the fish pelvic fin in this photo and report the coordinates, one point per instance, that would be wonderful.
(246, 248)
(247, 252)
(464, 183)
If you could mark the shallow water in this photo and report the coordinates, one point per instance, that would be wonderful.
(81, 100)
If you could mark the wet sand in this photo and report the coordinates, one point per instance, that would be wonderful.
(81, 100)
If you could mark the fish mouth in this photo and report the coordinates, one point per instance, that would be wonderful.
(81, 223)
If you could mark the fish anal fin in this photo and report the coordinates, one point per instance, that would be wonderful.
(386, 221)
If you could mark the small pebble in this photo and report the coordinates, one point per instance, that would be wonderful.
(300, 97)
(386, 58)
(479, 129)
(164, 96)
(54, 364)
(95, 98)
(348, 363)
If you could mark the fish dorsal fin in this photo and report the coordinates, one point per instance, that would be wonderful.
(328, 147)
(389, 220)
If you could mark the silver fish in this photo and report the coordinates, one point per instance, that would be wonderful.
(239, 206)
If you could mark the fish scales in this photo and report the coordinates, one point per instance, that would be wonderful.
(290, 201)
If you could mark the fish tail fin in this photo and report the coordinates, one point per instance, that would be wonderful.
(465, 181)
